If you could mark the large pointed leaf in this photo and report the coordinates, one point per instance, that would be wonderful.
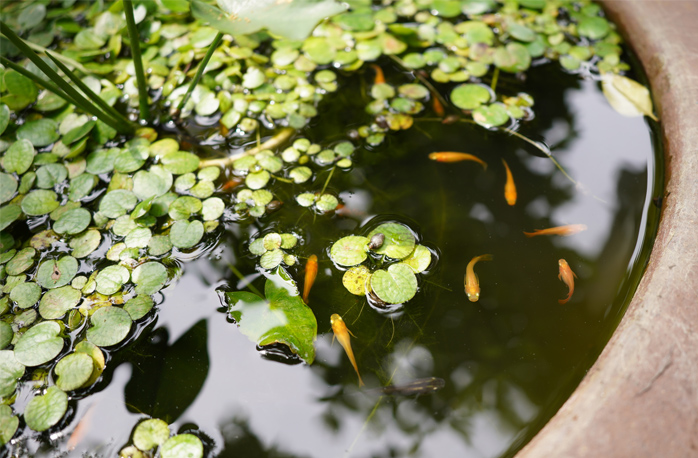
(626, 96)
(282, 317)
(238, 17)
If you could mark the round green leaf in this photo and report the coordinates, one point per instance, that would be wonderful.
(21, 261)
(41, 132)
(81, 186)
(8, 186)
(593, 27)
(272, 241)
(349, 251)
(40, 344)
(326, 203)
(57, 302)
(491, 115)
(149, 277)
(180, 162)
(397, 285)
(6, 334)
(149, 184)
(271, 259)
(8, 215)
(257, 180)
(101, 161)
(203, 189)
(419, 260)
(128, 160)
(116, 203)
(288, 241)
(300, 174)
(73, 221)
(212, 208)
(97, 356)
(186, 234)
(356, 280)
(305, 199)
(150, 433)
(138, 238)
(257, 247)
(512, 58)
(8, 424)
(139, 306)
(10, 371)
(185, 206)
(164, 146)
(26, 294)
(18, 157)
(85, 243)
(470, 96)
(49, 175)
(42, 412)
(182, 446)
(399, 240)
(53, 273)
(39, 202)
(159, 245)
(111, 279)
(110, 325)
(73, 371)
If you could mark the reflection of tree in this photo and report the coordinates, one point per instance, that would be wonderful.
(240, 440)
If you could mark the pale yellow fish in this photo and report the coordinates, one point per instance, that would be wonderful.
(341, 332)
(570, 229)
(472, 285)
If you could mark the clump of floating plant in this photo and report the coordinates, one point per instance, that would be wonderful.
(273, 249)
(393, 248)
(153, 437)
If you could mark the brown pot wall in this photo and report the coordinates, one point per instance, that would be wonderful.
(640, 399)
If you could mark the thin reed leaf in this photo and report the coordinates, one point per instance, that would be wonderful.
(137, 60)
(38, 80)
(200, 71)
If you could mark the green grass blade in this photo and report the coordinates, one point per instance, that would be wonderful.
(38, 80)
(88, 92)
(83, 103)
(137, 60)
(200, 71)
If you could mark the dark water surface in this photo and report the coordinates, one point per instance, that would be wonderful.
(508, 361)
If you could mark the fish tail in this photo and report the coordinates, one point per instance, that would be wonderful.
(484, 165)
(486, 257)
(565, 300)
(530, 234)
(361, 382)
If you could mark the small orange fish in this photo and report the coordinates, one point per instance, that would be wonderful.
(449, 156)
(310, 274)
(509, 187)
(472, 284)
(379, 78)
(341, 332)
(567, 276)
(437, 107)
(570, 229)
(79, 432)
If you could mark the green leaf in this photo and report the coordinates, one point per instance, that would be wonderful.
(357, 280)
(41, 132)
(81, 186)
(512, 58)
(150, 433)
(185, 206)
(470, 96)
(399, 240)
(40, 344)
(138, 238)
(349, 251)
(212, 208)
(4, 117)
(97, 356)
(8, 424)
(18, 157)
(139, 306)
(249, 17)
(6, 334)
(180, 162)
(21, 261)
(397, 285)
(282, 317)
(8, 187)
(49, 175)
(42, 412)
(153, 183)
(73, 371)
(149, 277)
(73, 221)
(419, 260)
(85, 243)
(159, 245)
(492, 115)
(593, 27)
(186, 234)
(9, 214)
(57, 302)
(26, 294)
(271, 259)
(626, 96)
(117, 202)
(18, 84)
(54, 273)
(110, 325)
(39, 202)
(182, 446)
(111, 279)
(10, 371)
(78, 132)
(257, 180)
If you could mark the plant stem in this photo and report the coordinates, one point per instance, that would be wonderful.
(273, 142)
(137, 61)
(200, 71)
(88, 92)
(38, 80)
(495, 77)
(66, 60)
(327, 181)
(249, 284)
(422, 80)
(78, 98)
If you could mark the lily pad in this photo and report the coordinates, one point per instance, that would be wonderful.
(186, 234)
(10, 371)
(110, 325)
(111, 279)
(73, 371)
(399, 240)
(18, 157)
(54, 273)
(97, 356)
(41, 132)
(149, 277)
(419, 260)
(139, 306)
(42, 412)
(212, 208)
(117, 202)
(271, 259)
(8, 424)
(85, 243)
(182, 446)
(6, 334)
(21, 261)
(183, 207)
(491, 115)
(8, 215)
(159, 245)
(39, 202)
(512, 58)
(180, 162)
(8, 186)
(282, 317)
(397, 285)
(25, 294)
(57, 302)
(349, 251)
(40, 344)
(150, 433)
(81, 186)
(470, 96)
(593, 27)
(357, 280)
(73, 221)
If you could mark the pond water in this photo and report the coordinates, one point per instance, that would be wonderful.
(508, 361)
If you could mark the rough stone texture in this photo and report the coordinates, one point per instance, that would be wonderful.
(640, 399)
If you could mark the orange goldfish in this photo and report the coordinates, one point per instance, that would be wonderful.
(472, 284)
(558, 230)
(310, 274)
(567, 276)
(379, 78)
(448, 156)
(437, 107)
(80, 430)
(509, 187)
(341, 332)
